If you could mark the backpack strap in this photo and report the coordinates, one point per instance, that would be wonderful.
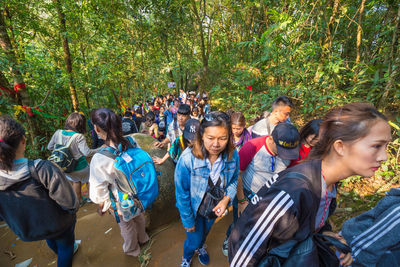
(182, 144)
(176, 128)
(113, 205)
(211, 184)
(108, 152)
(71, 139)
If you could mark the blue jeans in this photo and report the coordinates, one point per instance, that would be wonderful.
(196, 239)
(63, 246)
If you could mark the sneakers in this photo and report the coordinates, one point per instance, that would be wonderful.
(225, 247)
(185, 262)
(204, 259)
(76, 246)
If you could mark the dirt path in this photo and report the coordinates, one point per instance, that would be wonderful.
(100, 249)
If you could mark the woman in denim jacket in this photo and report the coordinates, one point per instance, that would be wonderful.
(213, 157)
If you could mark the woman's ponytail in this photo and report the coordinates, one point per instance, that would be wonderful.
(11, 134)
(109, 122)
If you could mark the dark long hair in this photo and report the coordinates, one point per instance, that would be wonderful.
(150, 119)
(312, 127)
(11, 134)
(347, 123)
(213, 119)
(76, 122)
(109, 122)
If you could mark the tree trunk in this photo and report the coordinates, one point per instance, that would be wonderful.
(359, 31)
(19, 84)
(394, 59)
(18, 80)
(205, 49)
(5, 85)
(67, 55)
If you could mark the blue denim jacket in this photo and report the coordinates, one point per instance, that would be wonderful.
(191, 176)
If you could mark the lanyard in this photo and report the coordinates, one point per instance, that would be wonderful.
(326, 205)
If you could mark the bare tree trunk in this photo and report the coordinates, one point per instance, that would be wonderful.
(164, 37)
(394, 59)
(359, 31)
(19, 84)
(18, 80)
(67, 55)
(5, 85)
(205, 49)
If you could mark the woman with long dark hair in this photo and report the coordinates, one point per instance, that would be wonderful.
(286, 216)
(103, 175)
(205, 182)
(308, 139)
(36, 200)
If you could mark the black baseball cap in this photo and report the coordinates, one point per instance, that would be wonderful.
(184, 109)
(286, 138)
(191, 128)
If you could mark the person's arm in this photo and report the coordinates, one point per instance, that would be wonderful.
(231, 187)
(155, 131)
(160, 161)
(60, 190)
(83, 147)
(182, 193)
(163, 143)
(242, 200)
(100, 180)
(52, 142)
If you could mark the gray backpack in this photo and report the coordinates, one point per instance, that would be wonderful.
(62, 156)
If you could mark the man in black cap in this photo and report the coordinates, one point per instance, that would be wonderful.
(183, 141)
(264, 157)
(175, 128)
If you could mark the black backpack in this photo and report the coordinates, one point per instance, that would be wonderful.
(62, 156)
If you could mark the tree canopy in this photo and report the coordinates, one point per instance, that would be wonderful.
(78, 55)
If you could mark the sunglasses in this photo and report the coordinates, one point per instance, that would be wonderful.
(216, 115)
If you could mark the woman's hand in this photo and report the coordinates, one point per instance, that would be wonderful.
(100, 209)
(158, 160)
(345, 259)
(190, 230)
(241, 207)
(158, 144)
(219, 210)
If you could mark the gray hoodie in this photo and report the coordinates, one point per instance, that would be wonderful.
(36, 200)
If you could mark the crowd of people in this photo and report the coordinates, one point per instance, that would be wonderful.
(280, 181)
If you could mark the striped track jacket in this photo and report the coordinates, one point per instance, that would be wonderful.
(374, 236)
(279, 212)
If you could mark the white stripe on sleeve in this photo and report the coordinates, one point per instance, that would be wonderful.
(278, 206)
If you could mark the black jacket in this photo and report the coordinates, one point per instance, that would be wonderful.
(284, 209)
(37, 208)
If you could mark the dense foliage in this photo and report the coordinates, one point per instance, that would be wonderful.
(244, 53)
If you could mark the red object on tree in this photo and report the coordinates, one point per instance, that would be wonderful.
(19, 86)
(248, 87)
